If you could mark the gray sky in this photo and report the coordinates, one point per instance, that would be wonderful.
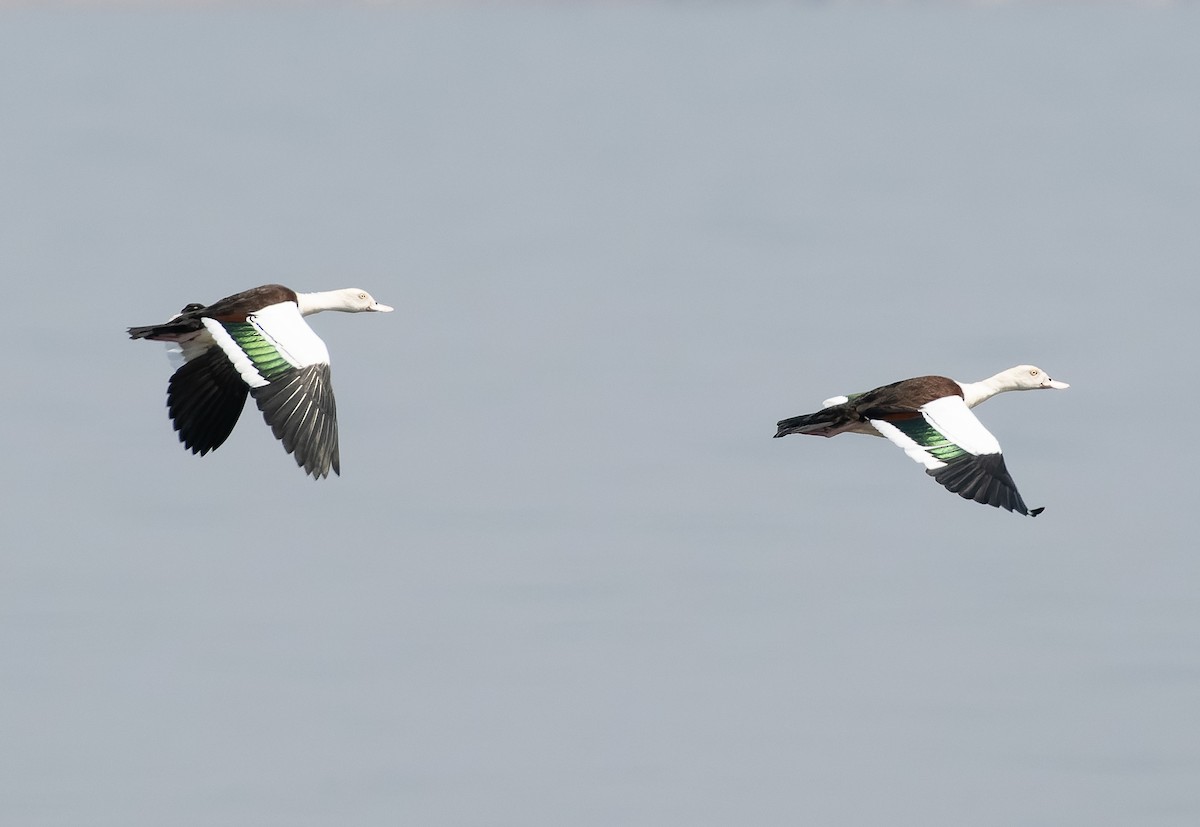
(567, 576)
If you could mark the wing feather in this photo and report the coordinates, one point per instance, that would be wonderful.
(983, 479)
(205, 397)
(300, 408)
(957, 451)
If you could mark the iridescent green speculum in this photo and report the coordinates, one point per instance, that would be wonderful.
(263, 355)
(922, 433)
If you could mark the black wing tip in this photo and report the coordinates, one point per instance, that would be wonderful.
(1033, 512)
(315, 469)
(205, 398)
(983, 479)
(299, 407)
(198, 448)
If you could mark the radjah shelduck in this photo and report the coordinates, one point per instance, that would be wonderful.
(256, 342)
(930, 418)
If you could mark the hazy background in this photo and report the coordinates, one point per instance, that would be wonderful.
(567, 577)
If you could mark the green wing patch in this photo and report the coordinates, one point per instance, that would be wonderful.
(266, 358)
(921, 432)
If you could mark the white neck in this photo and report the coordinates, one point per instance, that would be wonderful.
(310, 303)
(983, 390)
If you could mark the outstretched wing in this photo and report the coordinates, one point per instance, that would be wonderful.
(956, 450)
(300, 409)
(205, 397)
(286, 366)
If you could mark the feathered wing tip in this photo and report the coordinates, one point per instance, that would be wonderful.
(299, 407)
(205, 397)
(983, 479)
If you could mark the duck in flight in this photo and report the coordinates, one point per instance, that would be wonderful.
(256, 342)
(930, 418)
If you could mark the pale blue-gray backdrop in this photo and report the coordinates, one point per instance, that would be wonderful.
(567, 577)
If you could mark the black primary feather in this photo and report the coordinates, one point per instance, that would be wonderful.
(300, 409)
(983, 479)
(205, 397)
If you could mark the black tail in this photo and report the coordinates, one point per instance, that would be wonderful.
(146, 332)
(168, 332)
(825, 422)
(186, 321)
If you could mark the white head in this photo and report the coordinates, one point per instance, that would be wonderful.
(349, 300)
(1027, 378)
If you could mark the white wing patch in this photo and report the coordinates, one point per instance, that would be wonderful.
(236, 355)
(836, 400)
(187, 348)
(954, 420)
(950, 417)
(914, 451)
(283, 326)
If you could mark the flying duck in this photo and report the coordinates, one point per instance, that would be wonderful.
(257, 342)
(930, 418)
